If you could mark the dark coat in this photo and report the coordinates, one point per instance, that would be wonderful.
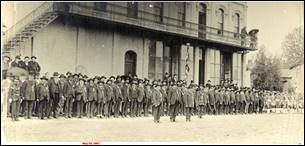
(156, 97)
(24, 65)
(109, 92)
(174, 95)
(211, 97)
(133, 93)
(188, 98)
(81, 93)
(34, 67)
(125, 92)
(28, 90)
(14, 92)
(43, 92)
(101, 94)
(69, 89)
(140, 93)
(55, 88)
(92, 93)
(117, 92)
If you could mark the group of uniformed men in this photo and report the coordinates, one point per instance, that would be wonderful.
(77, 95)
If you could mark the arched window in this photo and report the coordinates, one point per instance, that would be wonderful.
(236, 24)
(130, 62)
(220, 18)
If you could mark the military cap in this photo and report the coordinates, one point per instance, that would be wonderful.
(17, 57)
(44, 78)
(108, 81)
(26, 57)
(103, 77)
(90, 80)
(112, 77)
(70, 76)
(118, 77)
(62, 76)
(55, 74)
(33, 57)
(75, 75)
(140, 81)
(68, 73)
(96, 77)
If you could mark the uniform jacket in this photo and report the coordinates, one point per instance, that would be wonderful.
(211, 94)
(188, 98)
(125, 92)
(55, 88)
(23, 65)
(232, 97)
(109, 92)
(174, 95)
(34, 67)
(140, 93)
(101, 94)
(133, 92)
(156, 97)
(92, 93)
(117, 92)
(69, 89)
(148, 94)
(43, 91)
(28, 90)
(81, 93)
(14, 92)
(242, 97)
(226, 98)
(163, 90)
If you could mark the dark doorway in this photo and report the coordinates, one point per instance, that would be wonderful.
(201, 66)
(130, 62)
(226, 65)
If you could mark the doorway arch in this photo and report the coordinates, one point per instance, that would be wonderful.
(130, 63)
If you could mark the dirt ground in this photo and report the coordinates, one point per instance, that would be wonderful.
(224, 129)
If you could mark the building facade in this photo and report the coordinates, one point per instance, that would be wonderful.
(197, 41)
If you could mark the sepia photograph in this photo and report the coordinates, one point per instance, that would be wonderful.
(152, 72)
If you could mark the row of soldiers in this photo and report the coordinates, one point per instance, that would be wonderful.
(77, 95)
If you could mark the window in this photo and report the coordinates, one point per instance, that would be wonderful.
(130, 62)
(158, 10)
(202, 20)
(181, 14)
(132, 9)
(236, 25)
(102, 6)
(220, 19)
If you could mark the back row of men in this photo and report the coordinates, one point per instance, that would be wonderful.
(77, 95)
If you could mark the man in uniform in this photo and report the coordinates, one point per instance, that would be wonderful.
(28, 93)
(109, 97)
(125, 97)
(117, 97)
(133, 95)
(25, 64)
(55, 94)
(140, 98)
(14, 97)
(43, 96)
(147, 98)
(69, 94)
(34, 67)
(211, 94)
(16, 62)
(92, 97)
(174, 96)
(80, 97)
(156, 103)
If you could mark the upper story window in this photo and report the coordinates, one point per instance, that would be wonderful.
(158, 10)
(102, 6)
(132, 9)
(220, 20)
(236, 24)
(181, 13)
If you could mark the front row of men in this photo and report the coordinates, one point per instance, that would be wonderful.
(77, 96)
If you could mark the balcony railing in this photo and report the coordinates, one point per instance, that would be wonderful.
(117, 12)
